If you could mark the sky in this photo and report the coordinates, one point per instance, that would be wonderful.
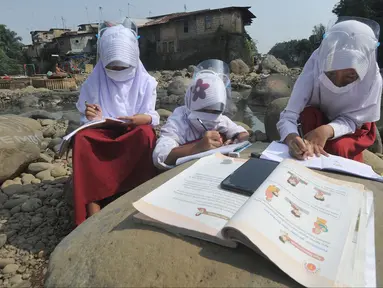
(277, 20)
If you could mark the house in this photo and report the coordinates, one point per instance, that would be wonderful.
(88, 28)
(76, 42)
(174, 41)
(46, 36)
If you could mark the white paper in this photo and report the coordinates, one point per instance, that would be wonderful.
(223, 150)
(370, 269)
(93, 123)
(193, 199)
(315, 217)
(278, 152)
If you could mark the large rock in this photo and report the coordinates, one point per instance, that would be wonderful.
(178, 86)
(378, 146)
(238, 66)
(270, 88)
(20, 140)
(270, 63)
(272, 117)
(133, 255)
(164, 114)
(110, 250)
(374, 161)
(42, 114)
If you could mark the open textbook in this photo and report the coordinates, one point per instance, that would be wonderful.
(312, 227)
(91, 124)
(279, 151)
(239, 147)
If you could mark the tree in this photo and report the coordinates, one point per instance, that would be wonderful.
(317, 36)
(10, 51)
(8, 66)
(297, 52)
(371, 9)
(251, 45)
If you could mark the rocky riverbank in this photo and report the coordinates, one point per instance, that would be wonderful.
(35, 202)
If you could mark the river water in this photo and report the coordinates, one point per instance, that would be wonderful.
(252, 117)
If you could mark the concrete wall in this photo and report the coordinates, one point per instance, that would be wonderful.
(41, 36)
(213, 35)
(78, 44)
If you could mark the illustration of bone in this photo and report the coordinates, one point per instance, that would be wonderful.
(319, 195)
(294, 180)
(296, 209)
(320, 226)
(286, 239)
(203, 211)
(272, 191)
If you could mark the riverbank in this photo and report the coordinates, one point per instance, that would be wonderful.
(35, 196)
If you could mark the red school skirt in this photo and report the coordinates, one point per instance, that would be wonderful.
(348, 146)
(110, 161)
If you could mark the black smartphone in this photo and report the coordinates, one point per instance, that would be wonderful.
(247, 178)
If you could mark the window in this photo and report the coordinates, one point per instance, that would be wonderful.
(207, 22)
(186, 26)
(171, 47)
(164, 47)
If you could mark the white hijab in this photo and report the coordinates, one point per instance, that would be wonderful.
(132, 93)
(349, 44)
(207, 91)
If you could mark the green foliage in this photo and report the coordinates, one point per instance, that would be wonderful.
(8, 65)
(297, 52)
(10, 51)
(251, 45)
(371, 9)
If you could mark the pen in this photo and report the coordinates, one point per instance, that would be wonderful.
(94, 107)
(203, 125)
(300, 131)
(235, 137)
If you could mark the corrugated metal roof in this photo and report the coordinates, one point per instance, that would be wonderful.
(162, 19)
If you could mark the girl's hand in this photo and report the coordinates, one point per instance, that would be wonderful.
(136, 120)
(93, 112)
(298, 148)
(318, 138)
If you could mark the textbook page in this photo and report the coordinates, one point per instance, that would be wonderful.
(193, 199)
(301, 222)
(279, 151)
(223, 150)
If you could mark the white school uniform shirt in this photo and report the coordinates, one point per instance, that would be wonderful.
(178, 131)
(346, 109)
(132, 91)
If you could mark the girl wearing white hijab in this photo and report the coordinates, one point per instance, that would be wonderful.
(199, 125)
(114, 159)
(337, 97)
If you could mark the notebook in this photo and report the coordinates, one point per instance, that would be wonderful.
(91, 124)
(279, 151)
(239, 147)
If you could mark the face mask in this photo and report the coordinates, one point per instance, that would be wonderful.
(120, 76)
(335, 89)
(210, 121)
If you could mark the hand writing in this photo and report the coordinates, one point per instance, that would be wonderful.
(298, 148)
(211, 140)
(93, 112)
